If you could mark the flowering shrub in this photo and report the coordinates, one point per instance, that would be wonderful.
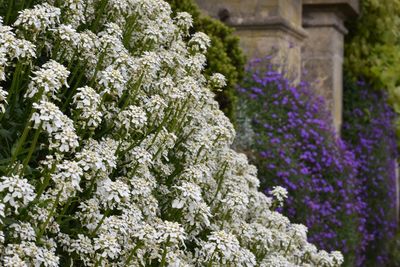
(374, 55)
(114, 152)
(294, 145)
(223, 56)
(369, 130)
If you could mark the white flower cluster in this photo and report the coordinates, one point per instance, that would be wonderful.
(184, 21)
(38, 19)
(279, 193)
(58, 126)
(11, 48)
(136, 168)
(87, 101)
(48, 80)
(217, 80)
(16, 191)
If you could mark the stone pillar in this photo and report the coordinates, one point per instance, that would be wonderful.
(322, 52)
(265, 27)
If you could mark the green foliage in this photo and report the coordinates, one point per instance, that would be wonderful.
(224, 55)
(394, 248)
(373, 47)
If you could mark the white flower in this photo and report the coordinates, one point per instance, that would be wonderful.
(23, 49)
(48, 114)
(279, 193)
(189, 194)
(78, 11)
(113, 193)
(13, 261)
(155, 176)
(87, 103)
(276, 260)
(23, 231)
(39, 18)
(18, 192)
(217, 81)
(89, 213)
(82, 245)
(2, 239)
(97, 159)
(171, 232)
(112, 81)
(133, 118)
(107, 245)
(141, 156)
(67, 33)
(199, 42)
(48, 80)
(337, 257)
(299, 232)
(60, 128)
(68, 171)
(184, 21)
(3, 100)
(2, 208)
(224, 248)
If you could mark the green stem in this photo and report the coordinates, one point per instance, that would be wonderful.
(130, 257)
(98, 65)
(99, 14)
(220, 179)
(20, 143)
(53, 209)
(164, 256)
(105, 215)
(98, 262)
(32, 148)
(64, 210)
(14, 80)
(9, 11)
(45, 182)
(288, 246)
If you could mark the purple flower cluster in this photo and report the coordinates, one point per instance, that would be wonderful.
(369, 130)
(294, 145)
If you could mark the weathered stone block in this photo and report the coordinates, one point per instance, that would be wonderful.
(322, 52)
(254, 12)
(265, 27)
(347, 7)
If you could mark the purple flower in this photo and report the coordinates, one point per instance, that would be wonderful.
(306, 157)
(370, 132)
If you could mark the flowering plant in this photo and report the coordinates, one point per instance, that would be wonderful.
(114, 152)
(370, 131)
(223, 56)
(288, 135)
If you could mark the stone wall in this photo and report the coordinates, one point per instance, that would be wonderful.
(306, 37)
(264, 27)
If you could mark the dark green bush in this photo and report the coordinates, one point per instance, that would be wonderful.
(224, 55)
(373, 47)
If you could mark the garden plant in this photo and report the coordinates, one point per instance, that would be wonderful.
(114, 151)
(223, 56)
(288, 134)
(370, 132)
(372, 48)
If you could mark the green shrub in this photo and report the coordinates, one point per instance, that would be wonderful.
(372, 47)
(224, 55)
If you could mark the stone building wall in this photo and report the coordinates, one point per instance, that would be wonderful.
(306, 37)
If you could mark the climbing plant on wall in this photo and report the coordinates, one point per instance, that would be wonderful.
(224, 55)
(368, 129)
(292, 142)
(373, 47)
